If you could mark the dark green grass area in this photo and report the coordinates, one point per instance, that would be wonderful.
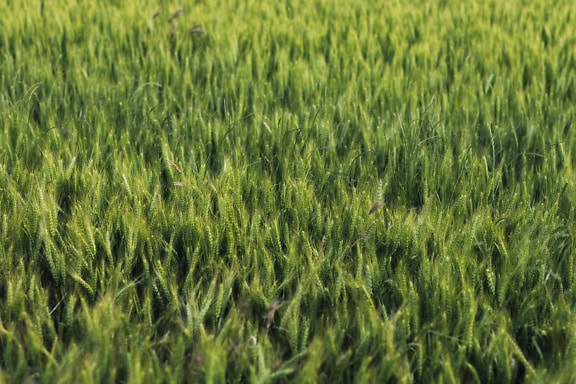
(185, 206)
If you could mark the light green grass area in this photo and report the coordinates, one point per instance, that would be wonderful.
(193, 207)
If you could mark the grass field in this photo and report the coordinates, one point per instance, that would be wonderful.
(184, 204)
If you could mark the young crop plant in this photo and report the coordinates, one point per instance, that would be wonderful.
(297, 191)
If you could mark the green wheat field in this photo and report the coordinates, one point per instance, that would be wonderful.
(285, 191)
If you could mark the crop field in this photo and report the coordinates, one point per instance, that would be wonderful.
(288, 191)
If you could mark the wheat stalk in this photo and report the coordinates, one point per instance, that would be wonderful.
(379, 197)
(175, 166)
(377, 205)
(196, 30)
(176, 14)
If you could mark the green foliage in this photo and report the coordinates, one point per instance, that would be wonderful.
(191, 204)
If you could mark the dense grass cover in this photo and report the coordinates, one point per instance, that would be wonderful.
(186, 206)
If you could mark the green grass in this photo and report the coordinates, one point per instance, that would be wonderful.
(194, 207)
